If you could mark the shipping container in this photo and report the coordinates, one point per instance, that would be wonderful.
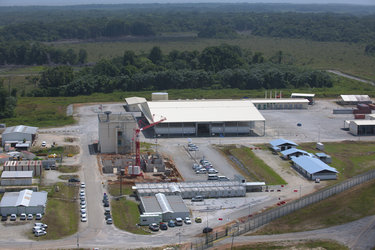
(359, 116)
(362, 111)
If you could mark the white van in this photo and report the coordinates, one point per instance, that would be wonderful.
(179, 221)
(212, 177)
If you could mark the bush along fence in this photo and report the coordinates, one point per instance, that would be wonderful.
(277, 212)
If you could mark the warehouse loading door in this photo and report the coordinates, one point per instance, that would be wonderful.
(203, 129)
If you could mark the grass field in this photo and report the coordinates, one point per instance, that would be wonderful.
(61, 213)
(259, 171)
(67, 177)
(125, 215)
(51, 111)
(311, 244)
(350, 158)
(339, 209)
(114, 189)
(68, 169)
(346, 57)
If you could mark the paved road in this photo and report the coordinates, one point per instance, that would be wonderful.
(336, 72)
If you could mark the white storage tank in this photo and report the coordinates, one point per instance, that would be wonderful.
(130, 169)
(136, 170)
(159, 96)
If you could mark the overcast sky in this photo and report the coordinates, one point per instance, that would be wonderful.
(74, 2)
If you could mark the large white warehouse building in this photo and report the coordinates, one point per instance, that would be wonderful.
(201, 117)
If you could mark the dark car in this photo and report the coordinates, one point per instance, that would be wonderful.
(73, 180)
(154, 227)
(207, 230)
(106, 204)
(107, 216)
(4, 218)
(163, 226)
(171, 223)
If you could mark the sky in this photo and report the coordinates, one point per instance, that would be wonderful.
(75, 2)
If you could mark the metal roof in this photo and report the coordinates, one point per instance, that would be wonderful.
(321, 155)
(135, 100)
(205, 111)
(312, 165)
(301, 95)
(163, 203)
(175, 203)
(278, 100)
(292, 151)
(281, 141)
(363, 122)
(21, 129)
(23, 198)
(355, 98)
(116, 117)
(17, 174)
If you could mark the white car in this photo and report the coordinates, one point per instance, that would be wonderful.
(187, 220)
(38, 224)
(40, 233)
(83, 185)
(44, 143)
(83, 211)
(83, 215)
(83, 202)
(84, 219)
(23, 216)
(38, 229)
(30, 217)
(83, 206)
(38, 216)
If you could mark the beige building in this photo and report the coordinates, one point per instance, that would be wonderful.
(116, 132)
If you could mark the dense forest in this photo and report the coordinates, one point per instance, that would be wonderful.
(215, 67)
(212, 22)
(8, 101)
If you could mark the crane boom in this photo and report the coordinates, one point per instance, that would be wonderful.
(138, 144)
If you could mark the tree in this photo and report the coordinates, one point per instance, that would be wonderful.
(155, 55)
(53, 78)
(82, 56)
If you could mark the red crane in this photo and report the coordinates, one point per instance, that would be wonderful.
(138, 144)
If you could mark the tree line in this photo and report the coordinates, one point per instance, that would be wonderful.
(209, 24)
(215, 67)
(29, 53)
(8, 101)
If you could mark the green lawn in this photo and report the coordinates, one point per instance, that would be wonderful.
(350, 158)
(259, 171)
(68, 169)
(114, 189)
(62, 213)
(345, 207)
(311, 244)
(125, 215)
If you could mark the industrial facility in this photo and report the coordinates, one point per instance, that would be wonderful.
(161, 207)
(200, 117)
(19, 136)
(34, 166)
(188, 190)
(281, 145)
(116, 132)
(26, 201)
(286, 103)
(362, 127)
(354, 99)
(16, 178)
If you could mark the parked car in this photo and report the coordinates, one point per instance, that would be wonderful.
(107, 211)
(187, 220)
(171, 223)
(179, 221)
(212, 171)
(38, 228)
(4, 218)
(207, 230)
(83, 202)
(40, 233)
(198, 220)
(73, 180)
(107, 216)
(38, 216)
(106, 204)
(83, 206)
(163, 226)
(83, 211)
(83, 215)
(197, 198)
(44, 143)
(23, 216)
(13, 217)
(83, 185)
(154, 227)
(109, 221)
(38, 224)
(84, 219)
(201, 171)
(30, 217)
(223, 178)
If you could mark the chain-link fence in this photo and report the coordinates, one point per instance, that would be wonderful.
(277, 212)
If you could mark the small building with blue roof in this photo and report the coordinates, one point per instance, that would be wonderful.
(282, 144)
(324, 157)
(287, 154)
(313, 168)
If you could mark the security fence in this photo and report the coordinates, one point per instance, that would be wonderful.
(277, 212)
